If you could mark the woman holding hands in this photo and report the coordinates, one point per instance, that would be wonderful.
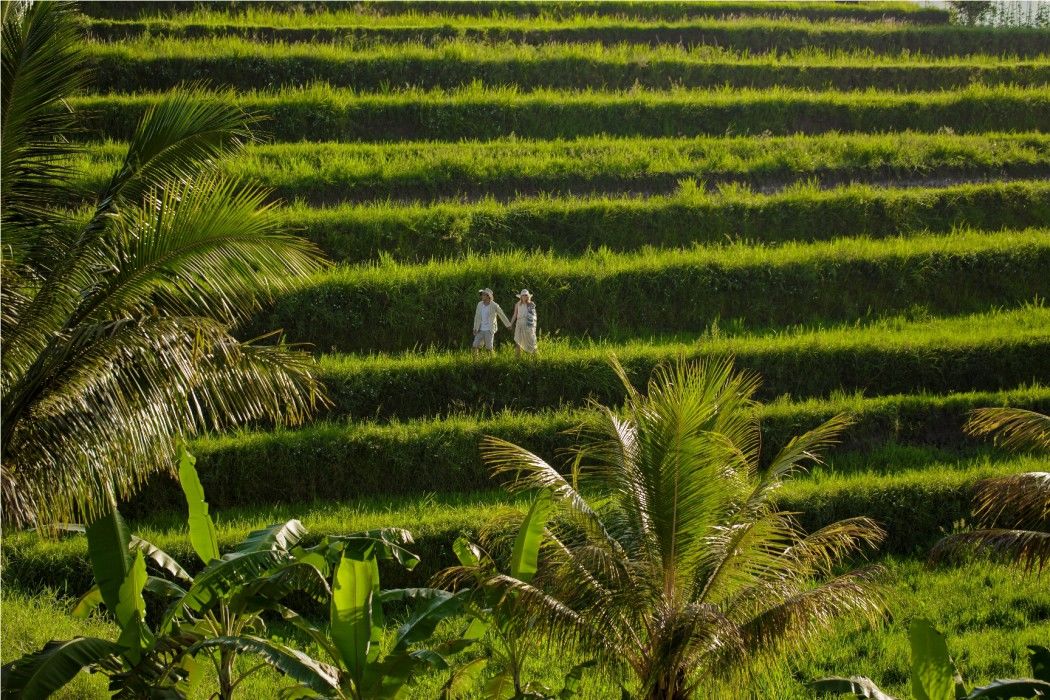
(524, 321)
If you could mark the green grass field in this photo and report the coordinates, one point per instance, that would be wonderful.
(851, 199)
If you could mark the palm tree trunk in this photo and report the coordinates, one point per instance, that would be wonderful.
(669, 686)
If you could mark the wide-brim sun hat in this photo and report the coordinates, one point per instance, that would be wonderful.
(486, 290)
(524, 293)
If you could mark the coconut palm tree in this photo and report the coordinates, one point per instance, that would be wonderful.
(118, 315)
(666, 554)
(1012, 512)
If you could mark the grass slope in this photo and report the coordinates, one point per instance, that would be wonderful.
(393, 306)
(323, 113)
(326, 173)
(868, 11)
(156, 64)
(754, 35)
(691, 215)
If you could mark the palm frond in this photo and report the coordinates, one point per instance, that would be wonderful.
(1014, 501)
(1013, 428)
(1029, 549)
(184, 134)
(42, 63)
(202, 246)
(111, 413)
(799, 450)
(794, 623)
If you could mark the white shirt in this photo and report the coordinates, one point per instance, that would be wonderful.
(486, 316)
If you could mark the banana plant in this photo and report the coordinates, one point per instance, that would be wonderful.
(357, 669)
(215, 616)
(490, 610)
(139, 663)
(935, 677)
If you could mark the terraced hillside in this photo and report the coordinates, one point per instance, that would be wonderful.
(851, 199)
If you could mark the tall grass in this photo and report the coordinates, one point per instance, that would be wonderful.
(157, 64)
(868, 11)
(756, 35)
(326, 173)
(323, 113)
(575, 225)
(393, 306)
(979, 352)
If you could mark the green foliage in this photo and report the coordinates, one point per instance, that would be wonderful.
(220, 612)
(117, 326)
(201, 527)
(667, 527)
(934, 676)
(391, 306)
(331, 114)
(492, 611)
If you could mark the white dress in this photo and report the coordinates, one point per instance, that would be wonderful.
(525, 326)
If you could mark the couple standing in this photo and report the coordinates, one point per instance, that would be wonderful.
(523, 320)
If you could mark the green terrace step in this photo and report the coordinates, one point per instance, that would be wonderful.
(333, 461)
(909, 12)
(330, 173)
(152, 64)
(900, 500)
(690, 216)
(751, 35)
(323, 113)
(392, 306)
(981, 352)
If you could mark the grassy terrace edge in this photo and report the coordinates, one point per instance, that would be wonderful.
(597, 295)
(324, 113)
(142, 66)
(899, 500)
(332, 173)
(979, 352)
(801, 212)
(868, 11)
(752, 35)
(335, 461)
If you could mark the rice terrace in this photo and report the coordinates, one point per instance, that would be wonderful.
(525, 349)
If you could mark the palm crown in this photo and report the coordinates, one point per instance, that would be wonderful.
(667, 553)
(117, 322)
